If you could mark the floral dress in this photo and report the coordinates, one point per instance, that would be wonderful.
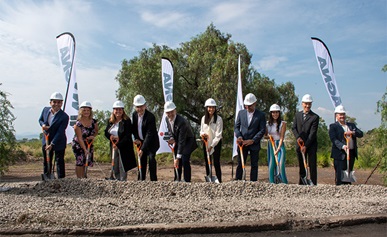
(79, 153)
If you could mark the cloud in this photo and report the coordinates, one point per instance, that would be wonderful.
(164, 19)
(271, 62)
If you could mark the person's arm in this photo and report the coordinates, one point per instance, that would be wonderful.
(96, 128)
(237, 128)
(61, 129)
(294, 127)
(357, 132)
(218, 132)
(182, 140)
(151, 132)
(282, 135)
(262, 128)
(313, 132)
(78, 133)
(333, 133)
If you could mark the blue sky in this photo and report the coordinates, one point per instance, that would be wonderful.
(277, 33)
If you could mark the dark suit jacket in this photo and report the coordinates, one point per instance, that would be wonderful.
(125, 143)
(57, 130)
(254, 131)
(307, 129)
(151, 142)
(336, 134)
(185, 142)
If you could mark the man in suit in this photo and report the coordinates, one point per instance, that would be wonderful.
(183, 140)
(337, 131)
(305, 126)
(145, 134)
(54, 121)
(249, 129)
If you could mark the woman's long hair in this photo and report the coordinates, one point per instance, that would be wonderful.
(113, 118)
(80, 116)
(279, 120)
(207, 117)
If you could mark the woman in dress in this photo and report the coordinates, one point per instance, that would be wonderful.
(86, 128)
(211, 129)
(119, 133)
(276, 128)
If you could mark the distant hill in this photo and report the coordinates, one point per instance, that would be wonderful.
(22, 136)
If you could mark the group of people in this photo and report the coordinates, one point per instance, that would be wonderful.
(140, 132)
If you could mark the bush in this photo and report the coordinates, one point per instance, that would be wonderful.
(8, 144)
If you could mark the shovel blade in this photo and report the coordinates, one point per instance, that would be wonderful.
(307, 181)
(348, 176)
(215, 179)
(207, 178)
(277, 179)
(46, 177)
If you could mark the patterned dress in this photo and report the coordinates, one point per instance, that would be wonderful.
(80, 156)
(272, 130)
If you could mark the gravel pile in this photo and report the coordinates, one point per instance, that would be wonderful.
(75, 204)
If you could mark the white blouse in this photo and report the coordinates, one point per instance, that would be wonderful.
(272, 130)
(213, 130)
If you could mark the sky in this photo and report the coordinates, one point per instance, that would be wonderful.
(277, 33)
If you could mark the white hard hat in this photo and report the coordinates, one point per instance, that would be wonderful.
(169, 106)
(250, 99)
(56, 96)
(86, 104)
(118, 104)
(340, 109)
(275, 107)
(307, 98)
(210, 102)
(139, 100)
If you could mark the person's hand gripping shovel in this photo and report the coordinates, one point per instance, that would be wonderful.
(240, 145)
(277, 177)
(49, 175)
(305, 180)
(138, 148)
(347, 175)
(88, 143)
(209, 177)
(172, 146)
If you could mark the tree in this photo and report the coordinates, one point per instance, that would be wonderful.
(8, 143)
(381, 132)
(206, 66)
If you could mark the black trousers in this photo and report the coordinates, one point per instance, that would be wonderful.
(59, 160)
(254, 157)
(216, 159)
(151, 157)
(185, 161)
(311, 159)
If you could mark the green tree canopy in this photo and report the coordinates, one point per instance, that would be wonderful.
(206, 66)
(8, 143)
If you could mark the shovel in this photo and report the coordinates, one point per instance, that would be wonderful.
(49, 174)
(209, 178)
(305, 180)
(138, 146)
(242, 161)
(347, 175)
(174, 158)
(88, 143)
(114, 142)
(277, 177)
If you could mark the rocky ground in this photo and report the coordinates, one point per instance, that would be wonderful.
(93, 205)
